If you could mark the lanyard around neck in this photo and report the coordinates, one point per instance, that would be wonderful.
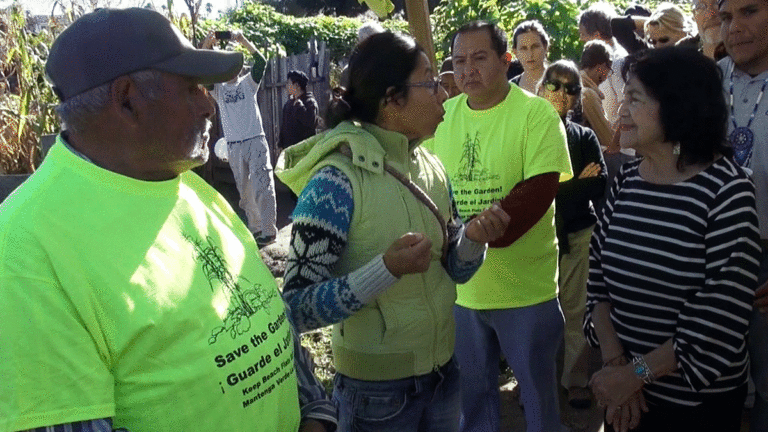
(757, 103)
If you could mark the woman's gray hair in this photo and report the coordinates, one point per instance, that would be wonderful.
(77, 113)
(672, 18)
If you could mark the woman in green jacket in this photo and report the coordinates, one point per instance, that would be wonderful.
(372, 257)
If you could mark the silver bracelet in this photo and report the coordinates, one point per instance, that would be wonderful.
(642, 370)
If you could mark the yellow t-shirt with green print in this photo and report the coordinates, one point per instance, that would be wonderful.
(486, 153)
(137, 301)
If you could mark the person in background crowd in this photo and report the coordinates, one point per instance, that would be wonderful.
(707, 40)
(667, 25)
(368, 255)
(575, 219)
(595, 24)
(629, 28)
(744, 31)
(132, 296)
(447, 80)
(530, 44)
(247, 147)
(515, 68)
(674, 257)
(511, 304)
(595, 69)
(300, 117)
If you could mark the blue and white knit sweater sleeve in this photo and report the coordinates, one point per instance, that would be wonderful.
(321, 222)
(464, 256)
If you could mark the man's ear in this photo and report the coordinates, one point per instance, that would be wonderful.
(125, 99)
(507, 57)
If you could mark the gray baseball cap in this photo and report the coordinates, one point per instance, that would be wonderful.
(109, 43)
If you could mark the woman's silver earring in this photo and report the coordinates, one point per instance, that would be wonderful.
(676, 149)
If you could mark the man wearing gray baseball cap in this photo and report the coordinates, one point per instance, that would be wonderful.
(132, 296)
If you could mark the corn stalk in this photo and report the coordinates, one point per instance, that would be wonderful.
(26, 101)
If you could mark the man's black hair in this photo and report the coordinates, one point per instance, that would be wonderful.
(299, 78)
(498, 37)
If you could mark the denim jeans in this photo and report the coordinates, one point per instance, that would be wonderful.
(529, 337)
(758, 353)
(424, 403)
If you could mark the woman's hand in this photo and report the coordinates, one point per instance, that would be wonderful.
(614, 385)
(627, 416)
(409, 254)
(488, 225)
(591, 170)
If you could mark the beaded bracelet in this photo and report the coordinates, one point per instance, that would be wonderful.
(642, 370)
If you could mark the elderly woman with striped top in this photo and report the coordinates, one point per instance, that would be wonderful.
(674, 257)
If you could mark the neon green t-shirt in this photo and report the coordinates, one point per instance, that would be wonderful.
(142, 301)
(486, 153)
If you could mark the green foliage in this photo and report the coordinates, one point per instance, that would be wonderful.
(558, 18)
(449, 15)
(280, 34)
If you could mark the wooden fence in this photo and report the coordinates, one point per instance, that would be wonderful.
(273, 92)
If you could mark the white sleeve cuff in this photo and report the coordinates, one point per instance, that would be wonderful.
(468, 250)
(371, 279)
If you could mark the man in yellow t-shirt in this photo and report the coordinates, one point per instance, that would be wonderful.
(131, 295)
(500, 143)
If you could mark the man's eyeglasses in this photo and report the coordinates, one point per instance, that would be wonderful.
(570, 89)
(661, 40)
(432, 85)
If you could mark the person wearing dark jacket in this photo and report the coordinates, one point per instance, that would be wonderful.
(628, 28)
(574, 219)
(300, 119)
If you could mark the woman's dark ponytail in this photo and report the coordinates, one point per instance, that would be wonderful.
(339, 109)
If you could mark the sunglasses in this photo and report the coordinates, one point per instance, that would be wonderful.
(661, 40)
(570, 89)
(432, 85)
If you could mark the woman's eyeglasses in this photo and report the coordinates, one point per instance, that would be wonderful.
(432, 85)
(570, 89)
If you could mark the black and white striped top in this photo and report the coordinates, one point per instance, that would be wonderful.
(679, 261)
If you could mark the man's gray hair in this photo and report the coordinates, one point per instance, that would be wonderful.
(78, 112)
(368, 29)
